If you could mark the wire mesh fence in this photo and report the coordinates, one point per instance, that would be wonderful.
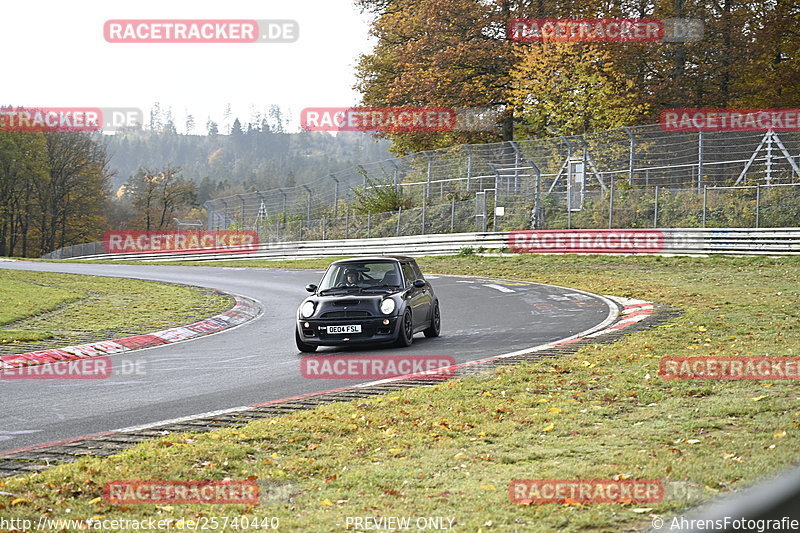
(634, 177)
(579, 168)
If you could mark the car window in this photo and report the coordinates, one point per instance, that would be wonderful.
(417, 271)
(409, 274)
(360, 274)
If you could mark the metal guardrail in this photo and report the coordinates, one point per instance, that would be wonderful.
(771, 241)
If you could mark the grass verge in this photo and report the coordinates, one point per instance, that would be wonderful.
(37, 306)
(451, 450)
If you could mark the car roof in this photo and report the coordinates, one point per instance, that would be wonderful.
(387, 258)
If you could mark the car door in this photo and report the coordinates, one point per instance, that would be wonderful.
(414, 296)
(427, 292)
(418, 297)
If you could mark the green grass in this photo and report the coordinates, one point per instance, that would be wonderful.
(451, 450)
(38, 305)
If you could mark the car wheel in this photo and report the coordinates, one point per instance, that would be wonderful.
(302, 346)
(405, 335)
(436, 323)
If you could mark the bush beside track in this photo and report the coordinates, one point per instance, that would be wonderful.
(451, 450)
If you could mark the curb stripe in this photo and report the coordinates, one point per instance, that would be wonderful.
(245, 309)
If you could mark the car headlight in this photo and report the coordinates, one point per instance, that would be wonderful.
(387, 306)
(307, 309)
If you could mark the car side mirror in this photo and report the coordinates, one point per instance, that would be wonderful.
(311, 287)
(420, 283)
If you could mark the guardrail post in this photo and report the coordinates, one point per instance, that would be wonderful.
(655, 209)
(323, 227)
(369, 215)
(705, 203)
(277, 230)
(758, 205)
(399, 212)
(346, 223)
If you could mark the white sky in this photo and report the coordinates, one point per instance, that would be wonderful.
(62, 60)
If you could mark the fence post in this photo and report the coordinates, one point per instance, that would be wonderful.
(399, 212)
(369, 222)
(631, 154)
(705, 203)
(430, 170)
(452, 213)
(323, 227)
(423, 216)
(768, 168)
(758, 205)
(494, 211)
(468, 148)
(346, 223)
(308, 202)
(277, 230)
(655, 210)
(700, 151)
(335, 195)
(611, 205)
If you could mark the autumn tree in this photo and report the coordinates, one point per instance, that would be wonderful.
(440, 53)
(159, 196)
(53, 190)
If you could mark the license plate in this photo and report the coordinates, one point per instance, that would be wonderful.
(356, 328)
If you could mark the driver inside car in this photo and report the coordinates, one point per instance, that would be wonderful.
(351, 278)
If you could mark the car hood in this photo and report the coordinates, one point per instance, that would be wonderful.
(344, 306)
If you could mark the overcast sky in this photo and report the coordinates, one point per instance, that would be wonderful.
(57, 57)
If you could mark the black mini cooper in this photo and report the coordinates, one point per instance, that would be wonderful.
(368, 300)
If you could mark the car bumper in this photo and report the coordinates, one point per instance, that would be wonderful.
(373, 331)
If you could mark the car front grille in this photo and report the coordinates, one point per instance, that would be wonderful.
(345, 314)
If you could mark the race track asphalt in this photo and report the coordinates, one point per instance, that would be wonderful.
(258, 361)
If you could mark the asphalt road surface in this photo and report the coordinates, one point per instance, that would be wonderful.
(258, 361)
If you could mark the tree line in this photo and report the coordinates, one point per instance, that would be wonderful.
(455, 53)
(53, 190)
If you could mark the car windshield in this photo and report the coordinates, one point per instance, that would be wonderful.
(361, 275)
